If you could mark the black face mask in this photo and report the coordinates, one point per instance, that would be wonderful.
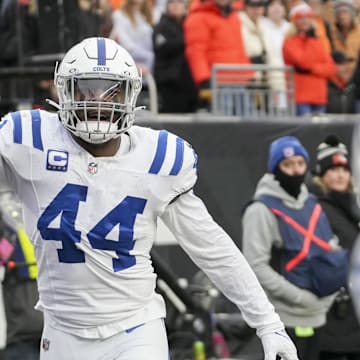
(291, 184)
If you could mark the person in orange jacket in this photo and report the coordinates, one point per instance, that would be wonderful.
(212, 33)
(313, 65)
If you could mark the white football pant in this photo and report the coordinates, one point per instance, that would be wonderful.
(145, 342)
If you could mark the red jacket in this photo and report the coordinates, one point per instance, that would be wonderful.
(309, 54)
(212, 38)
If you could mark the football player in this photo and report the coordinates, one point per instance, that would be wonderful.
(91, 187)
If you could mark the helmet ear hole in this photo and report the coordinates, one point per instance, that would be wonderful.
(97, 102)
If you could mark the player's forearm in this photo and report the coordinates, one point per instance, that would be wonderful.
(217, 255)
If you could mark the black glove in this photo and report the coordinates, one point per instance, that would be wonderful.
(301, 70)
(259, 59)
(311, 33)
(205, 91)
(205, 84)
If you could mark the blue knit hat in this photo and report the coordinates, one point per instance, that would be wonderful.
(283, 148)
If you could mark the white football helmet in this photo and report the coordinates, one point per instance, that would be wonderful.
(98, 84)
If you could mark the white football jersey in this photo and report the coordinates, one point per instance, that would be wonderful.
(93, 219)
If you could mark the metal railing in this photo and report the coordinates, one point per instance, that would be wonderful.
(252, 91)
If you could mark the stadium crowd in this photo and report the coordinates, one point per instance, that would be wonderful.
(177, 42)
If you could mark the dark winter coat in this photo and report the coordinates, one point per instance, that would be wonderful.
(171, 69)
(342, 331)
(341, 97)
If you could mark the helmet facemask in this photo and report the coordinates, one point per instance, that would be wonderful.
(97, 107)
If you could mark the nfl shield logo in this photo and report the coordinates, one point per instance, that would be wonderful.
(45, 344)
(92, 168)
(288, 152)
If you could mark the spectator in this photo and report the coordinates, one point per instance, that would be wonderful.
(212, 36)
(24, 323)
(132, 28)
(341, 87)
(252, 30)
(333, 184)
(278, 229)
(346, 30)
(257, 37)
(275, 27)
(322, 27)
(172, 74)
(313, 64)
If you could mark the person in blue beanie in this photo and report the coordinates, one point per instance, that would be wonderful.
(288, 241)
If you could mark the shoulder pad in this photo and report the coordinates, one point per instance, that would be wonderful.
(23, 127)
(172, 155)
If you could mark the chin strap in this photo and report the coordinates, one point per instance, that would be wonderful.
(140, 108)
(53, 103)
